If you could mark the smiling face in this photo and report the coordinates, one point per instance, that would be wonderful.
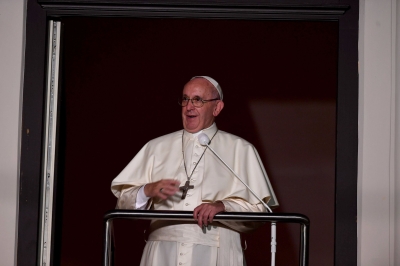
(197, 118)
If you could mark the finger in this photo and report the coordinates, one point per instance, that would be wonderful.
(161, 195)
(211, 216)
(176, 183)
(167, 186)
(218, 207)
(172, 184)
(206, 215)
(164, 193)
(196, 212)
(169, 191)
(200, 220)
(172, 188)
(213, 212)
(203, 215)
(200, 216)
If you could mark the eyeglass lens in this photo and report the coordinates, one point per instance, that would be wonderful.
(197, 101)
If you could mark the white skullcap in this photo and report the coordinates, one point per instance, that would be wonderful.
(214, 83)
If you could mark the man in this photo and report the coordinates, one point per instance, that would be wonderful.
(175, 172)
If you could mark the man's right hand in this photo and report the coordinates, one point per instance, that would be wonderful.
(162, 189)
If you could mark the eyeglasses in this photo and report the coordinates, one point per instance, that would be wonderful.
(196, 101)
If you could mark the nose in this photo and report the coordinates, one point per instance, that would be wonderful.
(190, 105)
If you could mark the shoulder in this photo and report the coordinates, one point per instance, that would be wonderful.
(165, 140)
(231, 139)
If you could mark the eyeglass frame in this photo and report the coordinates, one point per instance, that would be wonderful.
(200, 100)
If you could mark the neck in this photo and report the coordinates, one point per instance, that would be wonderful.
(198, 132)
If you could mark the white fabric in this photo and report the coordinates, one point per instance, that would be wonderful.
(162, 158)
(141, 199)
(181, 253)
(177, 253)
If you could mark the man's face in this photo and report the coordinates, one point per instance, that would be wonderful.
(197, 118)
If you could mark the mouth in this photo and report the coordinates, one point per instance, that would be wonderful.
(191, 116)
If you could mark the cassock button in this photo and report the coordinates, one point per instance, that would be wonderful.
(197, 146)
(181, 254)
(180, 263)
(194, 163)
(196, 154)
(187, 204)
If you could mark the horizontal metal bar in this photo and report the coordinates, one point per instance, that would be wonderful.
(226, 216)
(238, 4)
(193, 9)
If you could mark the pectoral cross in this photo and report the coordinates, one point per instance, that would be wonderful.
(185, 189)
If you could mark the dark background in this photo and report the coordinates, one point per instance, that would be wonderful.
(121, 80)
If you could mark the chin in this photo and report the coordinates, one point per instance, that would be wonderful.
(191, 127)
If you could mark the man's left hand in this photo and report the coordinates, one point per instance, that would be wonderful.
(205, 212)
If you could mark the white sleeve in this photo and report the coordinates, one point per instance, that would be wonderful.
(239, 205)
(141, 199)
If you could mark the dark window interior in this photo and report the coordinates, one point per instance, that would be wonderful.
(121, 78)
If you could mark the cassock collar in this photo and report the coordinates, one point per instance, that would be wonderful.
(210, 131)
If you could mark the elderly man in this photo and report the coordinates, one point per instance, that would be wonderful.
(175, 172)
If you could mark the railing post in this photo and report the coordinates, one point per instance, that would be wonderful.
(304, 234)
(107, 255)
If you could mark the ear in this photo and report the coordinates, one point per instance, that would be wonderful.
(218, 108)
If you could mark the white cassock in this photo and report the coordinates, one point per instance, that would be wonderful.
(185, 243)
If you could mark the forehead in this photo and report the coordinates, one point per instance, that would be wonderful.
(199, 87)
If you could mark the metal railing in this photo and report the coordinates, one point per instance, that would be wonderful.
(188, 216)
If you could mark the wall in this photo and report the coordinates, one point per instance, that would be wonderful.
(379, 134)
(379, 125)
(12, 23)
